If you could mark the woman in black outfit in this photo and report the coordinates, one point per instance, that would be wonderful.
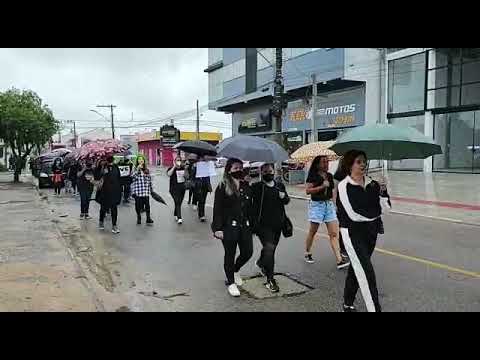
(231, 222)
(269, 200)
(109, 195)
(57, 171)
(177, 187)
(85, 188)
(360, 201)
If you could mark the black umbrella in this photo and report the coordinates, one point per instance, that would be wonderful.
(157, 198)
(198, 147)
(252, 148)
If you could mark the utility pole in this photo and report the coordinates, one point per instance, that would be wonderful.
(198, 123)
(75, 134)
(278, 102)
(314, 136)
(111, 112)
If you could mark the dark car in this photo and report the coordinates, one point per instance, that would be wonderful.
(42, 169)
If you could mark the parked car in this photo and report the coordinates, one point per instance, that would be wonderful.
(42, 168)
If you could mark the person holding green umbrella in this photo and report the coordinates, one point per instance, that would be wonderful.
(359, 206)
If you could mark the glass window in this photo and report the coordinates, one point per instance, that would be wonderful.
(215, 85)
(454, 133)
(406, 79)
(471, 72)
(471, 94)
(446, 97)
(447, 56)
(265, 58)
(234, 70)
(470, 54)
(417, 122)
(443, 77)
(392, 50)
(215, 55)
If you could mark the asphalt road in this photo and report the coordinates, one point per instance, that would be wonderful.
(421, 264)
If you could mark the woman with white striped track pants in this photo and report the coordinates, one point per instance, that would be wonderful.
(360, 201)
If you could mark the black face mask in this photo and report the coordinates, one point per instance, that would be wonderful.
(239, 175)
(268, 177)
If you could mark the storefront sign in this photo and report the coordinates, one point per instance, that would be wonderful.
(255, 122)
(170, 135)
(337, 110)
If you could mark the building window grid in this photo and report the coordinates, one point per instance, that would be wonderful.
(458, 86)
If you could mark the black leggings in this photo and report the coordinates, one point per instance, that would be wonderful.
(269, 239)
(360, 245)
(57, 187)
(113, 212)
(142, 203)
(233, 236)
(178, 195)
(201, 199)
(85, 196)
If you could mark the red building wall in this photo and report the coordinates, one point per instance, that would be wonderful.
(151, 150)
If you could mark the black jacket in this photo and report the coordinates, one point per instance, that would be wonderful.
(360, 208)
(175, 186)
(273, 208)
(111, 192)
(233, 210)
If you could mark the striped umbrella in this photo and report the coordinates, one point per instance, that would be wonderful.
(309, 151)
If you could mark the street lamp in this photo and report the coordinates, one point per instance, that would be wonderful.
(96, 112)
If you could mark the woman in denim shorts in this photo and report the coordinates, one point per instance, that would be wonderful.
(321, 209)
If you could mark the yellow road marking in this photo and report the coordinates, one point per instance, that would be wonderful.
(415, 259)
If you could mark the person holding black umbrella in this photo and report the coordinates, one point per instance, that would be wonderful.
(202, 188)
(360, 201)
(232, 212)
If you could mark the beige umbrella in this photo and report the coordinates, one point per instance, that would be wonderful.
(309, 151)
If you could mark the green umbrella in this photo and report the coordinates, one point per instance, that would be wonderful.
(387, 142)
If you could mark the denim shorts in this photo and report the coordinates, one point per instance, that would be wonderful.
(321, 212)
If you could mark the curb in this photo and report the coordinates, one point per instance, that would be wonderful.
(408, 214)
(84, 279)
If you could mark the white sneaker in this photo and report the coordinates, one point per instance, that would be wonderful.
(176, 218)
(195, 207)
(233, 290)
(238, 279)
(179, 221)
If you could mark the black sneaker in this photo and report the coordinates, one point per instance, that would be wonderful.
(343, 264)
(309, 258)
(139, 220)
(347, 308)
(344, 254)
(261, 268)
(272, 286)
(149, 222)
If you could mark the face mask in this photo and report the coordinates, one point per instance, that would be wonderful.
(239, 175)
(179, 163)
(268, 177)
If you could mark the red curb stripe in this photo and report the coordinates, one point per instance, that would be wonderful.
(446, 204)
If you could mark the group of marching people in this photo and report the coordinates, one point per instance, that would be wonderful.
(105, 182)
(350, 204)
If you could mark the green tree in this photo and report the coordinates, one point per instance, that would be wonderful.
(25, 124)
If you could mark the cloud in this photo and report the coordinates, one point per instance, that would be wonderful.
(149, 83)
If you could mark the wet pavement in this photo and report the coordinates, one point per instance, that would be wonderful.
(421, 264)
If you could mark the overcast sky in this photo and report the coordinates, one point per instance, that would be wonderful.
(151, 83)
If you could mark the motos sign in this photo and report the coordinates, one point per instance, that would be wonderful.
(334, 110)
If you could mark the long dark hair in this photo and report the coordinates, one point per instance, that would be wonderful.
(227, 180)
(315, 165)
(349, 159)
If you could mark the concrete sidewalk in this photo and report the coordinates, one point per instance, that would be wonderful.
(37, 273)
(452, 197)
